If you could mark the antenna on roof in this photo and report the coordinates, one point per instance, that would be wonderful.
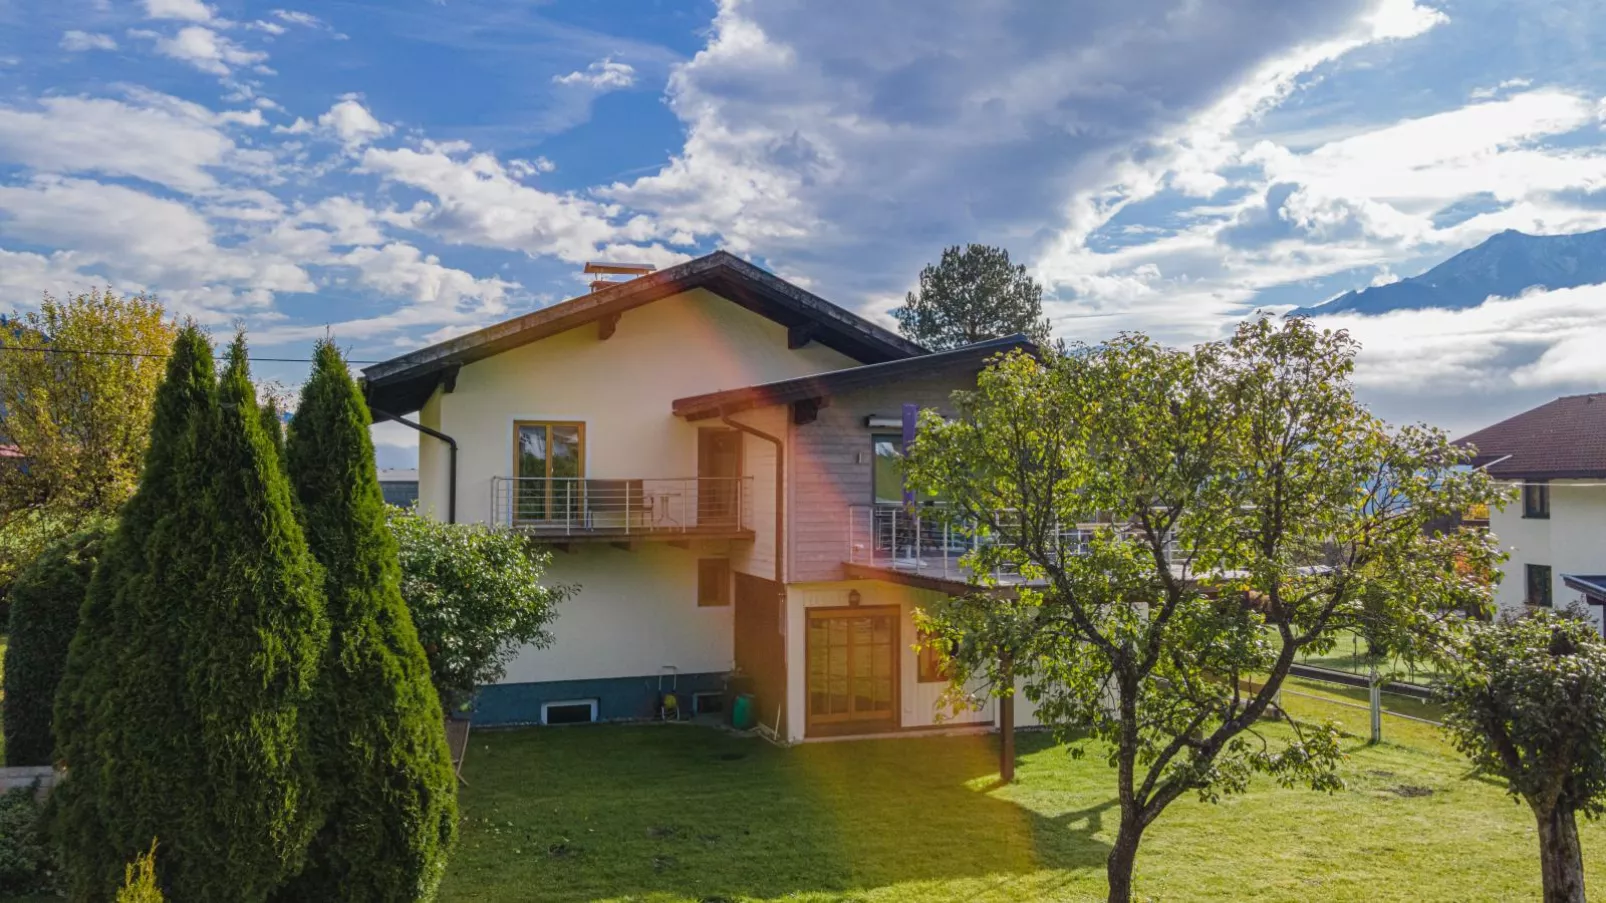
(605, 267)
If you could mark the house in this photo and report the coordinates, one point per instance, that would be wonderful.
(399, 486)
(709, 452)
(1555, 532)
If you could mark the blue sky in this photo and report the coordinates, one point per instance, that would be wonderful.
(398, 172)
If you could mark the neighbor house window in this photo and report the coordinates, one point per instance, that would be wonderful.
(549, 460)
(713, 581)
(931, 667)
(1536, 499)
(1539, 585)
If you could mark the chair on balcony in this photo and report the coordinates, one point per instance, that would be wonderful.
(619, 504)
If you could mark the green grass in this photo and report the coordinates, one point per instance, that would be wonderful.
(676, 813)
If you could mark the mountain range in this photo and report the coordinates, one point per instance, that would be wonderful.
(1503, 265)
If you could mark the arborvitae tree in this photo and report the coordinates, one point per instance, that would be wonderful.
(380, 738)
(273, 427)
(255, 644)
(180, 713)
(45, 602)
(124, 725)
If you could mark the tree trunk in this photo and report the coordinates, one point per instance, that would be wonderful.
(1123, 856)
(1006, 724)
(1561, 858)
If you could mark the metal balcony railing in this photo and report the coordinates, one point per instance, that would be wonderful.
(627, 506)
(920, 540)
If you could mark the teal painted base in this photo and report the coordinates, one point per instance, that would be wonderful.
(618, 698)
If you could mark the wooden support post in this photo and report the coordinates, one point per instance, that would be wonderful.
(606, 326)
(1006, 721)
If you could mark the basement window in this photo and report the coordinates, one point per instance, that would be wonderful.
(707, 703)
(569, 711)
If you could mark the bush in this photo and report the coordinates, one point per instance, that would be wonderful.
(139, 880)
(45, 601)
(475, 597)
(26, 863)
(24, 534)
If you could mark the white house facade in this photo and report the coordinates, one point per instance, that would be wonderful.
(706, 451)
(1554, 532)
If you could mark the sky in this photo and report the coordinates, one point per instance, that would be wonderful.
(394, 173)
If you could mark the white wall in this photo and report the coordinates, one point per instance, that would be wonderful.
(1572, 541)
(637, 612)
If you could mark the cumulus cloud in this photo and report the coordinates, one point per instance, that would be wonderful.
(187, 10)
(76, 41)
(206, 50)
(350, 122)
(602, 75)
(402, 270)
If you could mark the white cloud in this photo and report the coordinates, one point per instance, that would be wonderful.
(602, 75)
(206, 50)
(76, 41)
(187, 10)
(402, 270)
(1486, 93)
(153, 137)
(477, 201)
(350, 122)
(295, 17)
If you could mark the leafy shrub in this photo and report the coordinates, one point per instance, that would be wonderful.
(45, 601)
(475, 597)
(26, 863)
(139, 880)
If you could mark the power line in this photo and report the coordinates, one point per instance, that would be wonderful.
(112, 353)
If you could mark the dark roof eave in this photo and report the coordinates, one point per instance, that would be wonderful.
(402, 383)
(825, 385)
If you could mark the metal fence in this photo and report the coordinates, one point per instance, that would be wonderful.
(625, 506)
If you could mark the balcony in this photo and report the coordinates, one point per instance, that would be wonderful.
(918, 542)
(571, 509)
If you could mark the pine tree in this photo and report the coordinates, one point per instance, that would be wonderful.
(122, 721)
(391, 790)
(180, 712)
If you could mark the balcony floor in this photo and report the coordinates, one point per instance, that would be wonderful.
(559, 535)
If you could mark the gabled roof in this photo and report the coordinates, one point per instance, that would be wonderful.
(1562, 439)
(403, 384)
(824, 385)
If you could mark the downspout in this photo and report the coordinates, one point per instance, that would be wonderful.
(780, 493)
(451, 475)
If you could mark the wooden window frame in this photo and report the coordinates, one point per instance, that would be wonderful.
(1536, 499)
(1546, 598)
(724, 582)
(518, 428)
(930, 668)
(823, 613)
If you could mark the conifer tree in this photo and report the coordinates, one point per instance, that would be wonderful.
(123, 724)
(180, 715)
(383, 759)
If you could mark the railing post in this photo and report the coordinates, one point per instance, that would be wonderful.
(627, 505)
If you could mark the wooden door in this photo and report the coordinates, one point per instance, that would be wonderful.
(719, 472)
(852, 665)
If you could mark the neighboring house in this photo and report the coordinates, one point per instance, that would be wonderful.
(1555, 532)
(399, 486)
(709, 452)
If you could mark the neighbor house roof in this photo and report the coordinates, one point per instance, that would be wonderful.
(403, 384)
(825, 385)
(1562, 439)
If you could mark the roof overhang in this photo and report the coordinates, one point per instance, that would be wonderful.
(822, 386)
(1591, 585)
(402, 384)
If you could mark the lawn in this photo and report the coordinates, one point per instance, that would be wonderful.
(676, 813)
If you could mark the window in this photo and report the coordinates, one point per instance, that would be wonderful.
(713, 581)
(1539, 585)
(1536, 499)
(886, 479)
(931, 668)
(549, 460)
(570, 711)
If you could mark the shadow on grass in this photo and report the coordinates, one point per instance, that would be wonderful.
(673, 812)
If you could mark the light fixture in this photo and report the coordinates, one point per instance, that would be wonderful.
(853, 598)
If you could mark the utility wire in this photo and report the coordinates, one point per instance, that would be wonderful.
(110, 353)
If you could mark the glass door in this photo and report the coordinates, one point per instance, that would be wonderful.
(852, 659)
(549, 460)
